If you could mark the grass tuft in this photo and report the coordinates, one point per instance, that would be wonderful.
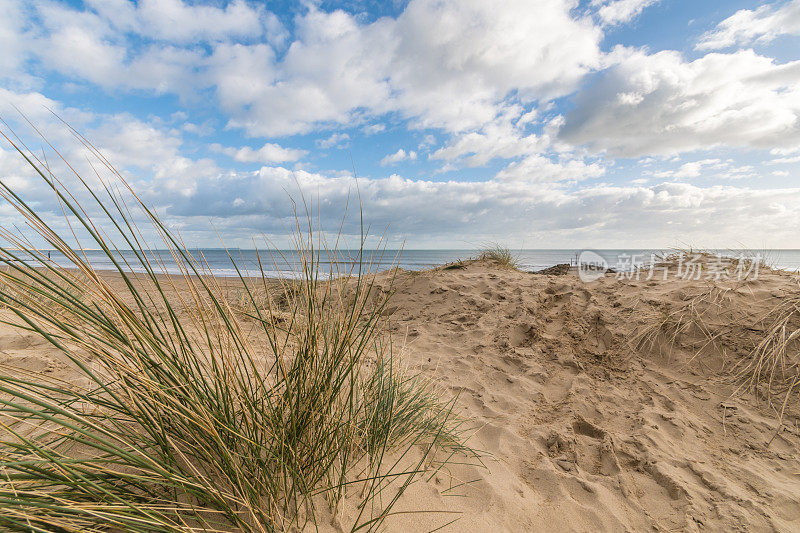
(773, 368)
(189, 413)
(500, 255)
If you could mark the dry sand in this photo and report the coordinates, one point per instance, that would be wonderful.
(586, 427)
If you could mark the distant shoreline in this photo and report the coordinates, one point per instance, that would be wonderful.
(282, 263)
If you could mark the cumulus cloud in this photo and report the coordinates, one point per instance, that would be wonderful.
(660, 104)
(760, 25)
(454, 61)
(398, 156)
(308, 87)
(117, 44)
(180, 22)
(709, 168)
(145, 152)
(491, 80)
(441, 64)
(786, 160)
(12, 39)
(527, 202)
(500, 138)
(538, 168)
(431, 212)
(620, 11)
(268, 154)
(339, 140)
(691, 169)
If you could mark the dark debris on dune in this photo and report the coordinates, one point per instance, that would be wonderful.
(561, 269)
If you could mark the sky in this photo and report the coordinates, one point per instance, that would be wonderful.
(532, 123)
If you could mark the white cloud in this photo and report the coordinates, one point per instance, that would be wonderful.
(372, 129)
(443, 64)
(427, 141)
(174, 21)
(500, 138)
(203, 130)
(148, 154)
(241, 74)
(268, 154)
(784, 151)
(518, 211)
(398, 156)
(661, 104)
(149, 45)
(35, 106)
(12, 39)
(786, 160)
(339, 140)
(128, 141)
(469, 70)
(739, 172)
(621, 11)
(523, 204)
(307, 88)
(179, 22)
(691, 169)
(85, 46)
(527, 118)
(78, 51)
(456, 60)
(760, 25)
(540, 169)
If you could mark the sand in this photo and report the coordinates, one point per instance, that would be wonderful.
(593, 414)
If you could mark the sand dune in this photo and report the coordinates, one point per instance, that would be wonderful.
(595, 415)
(587, 434)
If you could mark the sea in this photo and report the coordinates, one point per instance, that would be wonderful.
(220, 262)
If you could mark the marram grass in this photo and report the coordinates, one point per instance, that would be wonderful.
(191, 415)
(500, 255)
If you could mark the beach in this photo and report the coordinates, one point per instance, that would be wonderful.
(592, 411)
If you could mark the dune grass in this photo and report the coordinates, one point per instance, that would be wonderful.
(188, 415)
(697, 325)
(773, 368)
(500, 255)
(761, 351)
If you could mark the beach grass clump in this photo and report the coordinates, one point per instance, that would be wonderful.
(773, 368)
(699, 324)
(182, 413)
(738, 265)
(499, 255)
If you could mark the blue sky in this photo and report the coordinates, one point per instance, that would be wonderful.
(537, 123)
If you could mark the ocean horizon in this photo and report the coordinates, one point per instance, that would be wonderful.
(275, 263)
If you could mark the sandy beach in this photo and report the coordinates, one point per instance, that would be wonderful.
(592, 412)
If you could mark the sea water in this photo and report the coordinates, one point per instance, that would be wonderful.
(220, 262)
